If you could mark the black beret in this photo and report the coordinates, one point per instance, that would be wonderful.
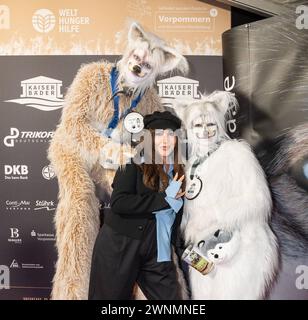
(161, 120)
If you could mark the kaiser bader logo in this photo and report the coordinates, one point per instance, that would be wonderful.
(41, 93)
(177, 87)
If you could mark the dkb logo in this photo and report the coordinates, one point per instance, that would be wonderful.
(16, 169)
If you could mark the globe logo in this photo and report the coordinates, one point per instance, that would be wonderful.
(48, 172)
(43, 20)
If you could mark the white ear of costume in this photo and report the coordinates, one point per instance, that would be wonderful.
(223, 100)
(180, 105)
(174, 61)
(171, 59)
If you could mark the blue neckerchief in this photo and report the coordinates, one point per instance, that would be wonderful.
(165, 219)
(169, 173)
(114, 88)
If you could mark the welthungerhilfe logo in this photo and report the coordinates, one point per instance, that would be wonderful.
(43, 20)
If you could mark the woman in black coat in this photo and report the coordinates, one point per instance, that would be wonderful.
(134, 243)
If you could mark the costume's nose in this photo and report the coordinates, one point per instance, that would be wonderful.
(216, 256)
(136, 68)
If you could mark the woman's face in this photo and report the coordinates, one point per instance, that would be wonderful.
(164, 142)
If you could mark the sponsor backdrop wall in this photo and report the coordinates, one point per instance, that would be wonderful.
(42, 45)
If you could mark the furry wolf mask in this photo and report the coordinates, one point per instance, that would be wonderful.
(146, 57)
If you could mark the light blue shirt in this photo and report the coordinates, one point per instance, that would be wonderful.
(165, 218)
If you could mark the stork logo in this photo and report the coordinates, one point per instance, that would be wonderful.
(41, 93)
(17, 136)
(177, 87)
(44, 205)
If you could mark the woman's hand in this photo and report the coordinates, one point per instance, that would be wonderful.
(181, 179)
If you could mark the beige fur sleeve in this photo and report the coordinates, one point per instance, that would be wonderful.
(80, 104)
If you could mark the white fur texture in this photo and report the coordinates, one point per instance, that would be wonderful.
(235, 197)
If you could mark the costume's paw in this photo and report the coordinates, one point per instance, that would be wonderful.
(221, 247)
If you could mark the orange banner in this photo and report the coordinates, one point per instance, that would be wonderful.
(99, 27)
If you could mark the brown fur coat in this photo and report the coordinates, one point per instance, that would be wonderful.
(74, 153)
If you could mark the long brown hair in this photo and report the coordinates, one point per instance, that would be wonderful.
(154, 173)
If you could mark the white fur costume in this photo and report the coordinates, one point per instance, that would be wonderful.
(234, 197)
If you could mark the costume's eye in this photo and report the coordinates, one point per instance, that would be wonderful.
(136, 58)
(147, 66)
(220, 247)
(198, 125)
(211, 124)
(299, 171)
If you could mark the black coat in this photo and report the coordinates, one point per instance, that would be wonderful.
(132, 204)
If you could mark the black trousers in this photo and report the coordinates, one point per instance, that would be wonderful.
(118, 262)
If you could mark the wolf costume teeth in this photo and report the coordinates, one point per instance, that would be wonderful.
(90, 128)
(233, 196)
